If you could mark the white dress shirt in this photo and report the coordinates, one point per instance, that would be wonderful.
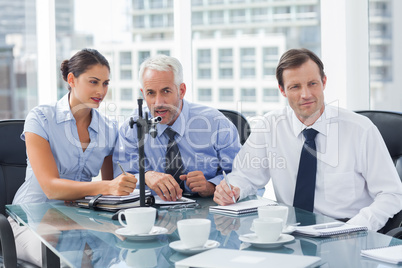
(356, 177)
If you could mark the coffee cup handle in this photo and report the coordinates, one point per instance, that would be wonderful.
(120, 220)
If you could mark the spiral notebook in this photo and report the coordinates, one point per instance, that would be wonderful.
(241, 208)
(391, 254)
(328, 229)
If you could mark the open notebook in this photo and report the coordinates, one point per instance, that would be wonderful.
(328, 229)
(391, 254)
(241, 208)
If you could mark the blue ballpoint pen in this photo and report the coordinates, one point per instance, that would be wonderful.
(227, 182)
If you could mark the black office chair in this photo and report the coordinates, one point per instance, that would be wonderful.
(390, 126)
(240, 122)
(12, 175)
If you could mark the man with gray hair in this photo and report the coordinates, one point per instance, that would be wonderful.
(194, 143)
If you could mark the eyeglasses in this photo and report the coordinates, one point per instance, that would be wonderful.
(184, 206)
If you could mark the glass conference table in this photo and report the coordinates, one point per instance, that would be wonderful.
(85, 238)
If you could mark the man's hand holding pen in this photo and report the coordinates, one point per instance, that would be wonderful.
(224, 194)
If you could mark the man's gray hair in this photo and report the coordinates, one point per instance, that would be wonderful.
(162, 63)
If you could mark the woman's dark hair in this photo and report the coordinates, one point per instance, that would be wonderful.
(294, 58)
(82, 61)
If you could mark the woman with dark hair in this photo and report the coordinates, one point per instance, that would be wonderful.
(68, 143)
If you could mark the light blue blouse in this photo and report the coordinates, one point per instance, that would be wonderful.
(56, 124)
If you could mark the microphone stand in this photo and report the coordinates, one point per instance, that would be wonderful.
(143, 127)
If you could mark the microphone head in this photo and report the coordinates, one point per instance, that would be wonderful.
(156, 120)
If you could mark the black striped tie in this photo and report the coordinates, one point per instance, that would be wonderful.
(174, 163)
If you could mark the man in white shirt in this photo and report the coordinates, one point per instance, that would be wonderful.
(355, 176)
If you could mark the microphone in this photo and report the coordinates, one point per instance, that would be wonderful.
(152, 126)
(155, 120)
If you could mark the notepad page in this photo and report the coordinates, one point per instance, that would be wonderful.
(392, 254)
(312, 230)
(243, 207)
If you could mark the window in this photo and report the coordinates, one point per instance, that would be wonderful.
(270, 95)
(216, 17)
(204, 56)
(247, 54)
(248, 94)
(125, 58)
(225, 55)
(238, 15)
(259, 14)
(226, 94)
(126, 75)
(138, 4)
(204, 94)
(126, 94)
(139, 21)
(156, 21)
(283, 23)
(197, 18)
(197, 2)
(18, 58)
(269, 71)
(156, 4)
(247, 72)
(143, 55)
(216, 2)
(225, 73)
(164, 52)
(271, 54)
(204, 73)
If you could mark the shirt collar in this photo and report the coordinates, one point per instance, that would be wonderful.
(180, 123)
(321, 125)
(63, 113)
(94, 120)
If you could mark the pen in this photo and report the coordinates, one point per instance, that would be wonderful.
(329, 225)
(118, 163)
(227, 182)
(227, 237)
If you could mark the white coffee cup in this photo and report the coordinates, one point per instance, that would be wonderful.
(274, 212)
(268, 229)
(139, 258)
(139, 220)
(194, 232)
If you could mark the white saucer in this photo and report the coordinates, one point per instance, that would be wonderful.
(141, 244)
(253, 240)
(155, 231)
(179, 247)
(288, 229)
